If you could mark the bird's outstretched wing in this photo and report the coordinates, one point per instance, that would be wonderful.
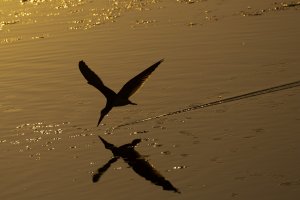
(95, 81)
(135, 83)
(103, 169)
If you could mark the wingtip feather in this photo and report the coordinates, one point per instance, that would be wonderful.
(82, 65)
(159, 62)
(81, 62)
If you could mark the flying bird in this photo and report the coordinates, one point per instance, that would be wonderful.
(122, 97)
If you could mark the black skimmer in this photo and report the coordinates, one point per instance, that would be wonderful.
(122, 97)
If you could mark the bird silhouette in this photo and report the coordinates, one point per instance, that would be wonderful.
(136, 161)
(122, 97)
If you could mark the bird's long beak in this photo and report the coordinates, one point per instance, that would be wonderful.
(104, 141)
(100, 119)
(107, 145)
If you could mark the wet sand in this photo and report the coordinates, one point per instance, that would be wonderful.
(246, 149)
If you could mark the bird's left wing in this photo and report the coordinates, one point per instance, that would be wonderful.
(95, 81)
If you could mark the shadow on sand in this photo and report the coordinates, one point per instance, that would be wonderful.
(136, 162)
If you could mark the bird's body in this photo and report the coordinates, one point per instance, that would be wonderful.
(122, 97)
(119, 101)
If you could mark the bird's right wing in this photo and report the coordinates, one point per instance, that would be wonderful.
(136, 82)
(94, 80)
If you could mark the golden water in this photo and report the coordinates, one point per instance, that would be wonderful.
(49, 147)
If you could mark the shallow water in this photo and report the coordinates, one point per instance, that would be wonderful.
(49, 147)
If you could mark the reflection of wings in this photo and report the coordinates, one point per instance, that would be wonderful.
(136, 82)
(141, 166)
(144, 169)
(103, 169)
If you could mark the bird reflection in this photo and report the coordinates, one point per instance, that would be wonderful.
(136, 162)
(122, 97)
